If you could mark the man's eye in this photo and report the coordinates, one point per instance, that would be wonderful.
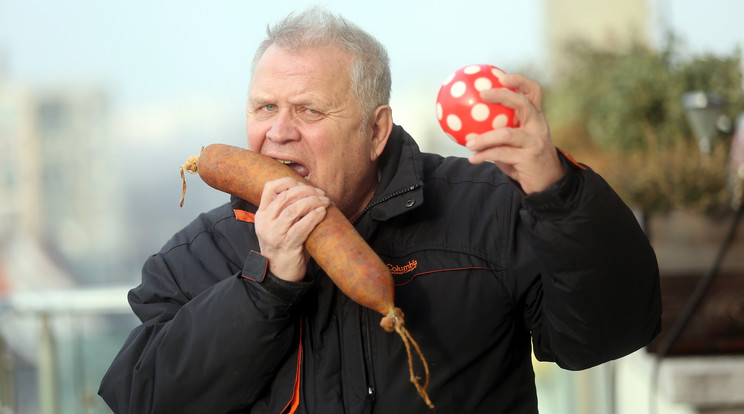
(268, 107)
(313, 113)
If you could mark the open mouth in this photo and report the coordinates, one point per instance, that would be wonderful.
(298, 168)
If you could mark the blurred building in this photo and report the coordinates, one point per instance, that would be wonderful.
(61, 233)
(18, 163)
(81, 210)
(58, 181)
(609, 24)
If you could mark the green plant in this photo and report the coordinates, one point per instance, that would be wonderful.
(621, 113)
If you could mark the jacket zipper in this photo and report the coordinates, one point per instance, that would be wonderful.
(384, 199)
(371, 389)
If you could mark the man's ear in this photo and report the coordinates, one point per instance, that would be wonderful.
(381, 123)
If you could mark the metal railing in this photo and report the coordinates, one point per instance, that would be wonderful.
(53, 347)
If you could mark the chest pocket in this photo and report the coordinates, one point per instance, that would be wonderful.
(453, 295)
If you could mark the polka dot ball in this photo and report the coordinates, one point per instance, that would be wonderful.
(460, 109)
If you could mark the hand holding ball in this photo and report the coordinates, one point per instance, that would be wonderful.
(460, 109)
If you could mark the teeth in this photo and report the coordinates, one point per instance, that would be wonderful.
(284, 161)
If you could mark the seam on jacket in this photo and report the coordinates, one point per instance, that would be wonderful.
(490, 182)
(513, 216)
(410, 279)
(428, 248)
(209, 229)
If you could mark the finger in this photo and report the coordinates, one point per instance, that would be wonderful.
(500, 154)
(296, 208)
(301, 229)
(508, 145)
(273, 188)
(531, 141)
(524, 110)
(526, 86)
(283, 217)
(276, 187)
(278, 194)
(276, 225)
(284, 202)
(287, 256)
(496, 138)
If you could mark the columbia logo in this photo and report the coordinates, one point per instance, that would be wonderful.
(399, 270)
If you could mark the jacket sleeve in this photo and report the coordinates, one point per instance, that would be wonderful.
(214, 352)
(596, 295)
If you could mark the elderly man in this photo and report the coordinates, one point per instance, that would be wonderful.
(490, 259)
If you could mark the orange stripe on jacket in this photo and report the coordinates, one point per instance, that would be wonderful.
(570, 158)
(243, 215)
(295, 401)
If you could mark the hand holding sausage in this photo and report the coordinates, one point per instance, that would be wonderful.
(288, 213)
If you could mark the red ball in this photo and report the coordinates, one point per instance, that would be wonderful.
(460, 109)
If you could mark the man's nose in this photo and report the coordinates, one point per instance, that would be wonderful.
(283, 128)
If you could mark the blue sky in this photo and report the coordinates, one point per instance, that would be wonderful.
(173, 65)
(167, 49)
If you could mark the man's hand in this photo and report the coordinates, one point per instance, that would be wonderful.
(525, 153)
(288, 213)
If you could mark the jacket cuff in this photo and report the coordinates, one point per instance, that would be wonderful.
(256, 269)
(560, 196)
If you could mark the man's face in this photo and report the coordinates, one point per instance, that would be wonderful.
(301, 110)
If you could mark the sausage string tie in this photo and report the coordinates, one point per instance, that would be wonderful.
(190, 167)
(393, 321)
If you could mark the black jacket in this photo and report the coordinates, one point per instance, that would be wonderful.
(481, 270)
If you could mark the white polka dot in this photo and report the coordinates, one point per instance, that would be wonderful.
(500, 121)
(471, 69)
(454, 122)
(480, 112)
(449, 78)
(481, 84)
(439, 111)
(458, 89)
(498, 73)
(470, 136)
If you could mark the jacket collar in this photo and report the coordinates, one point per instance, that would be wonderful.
(401, 183)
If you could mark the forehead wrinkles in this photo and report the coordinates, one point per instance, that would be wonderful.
(306, 60)
(305, 76)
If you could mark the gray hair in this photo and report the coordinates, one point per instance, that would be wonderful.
(316, 27)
